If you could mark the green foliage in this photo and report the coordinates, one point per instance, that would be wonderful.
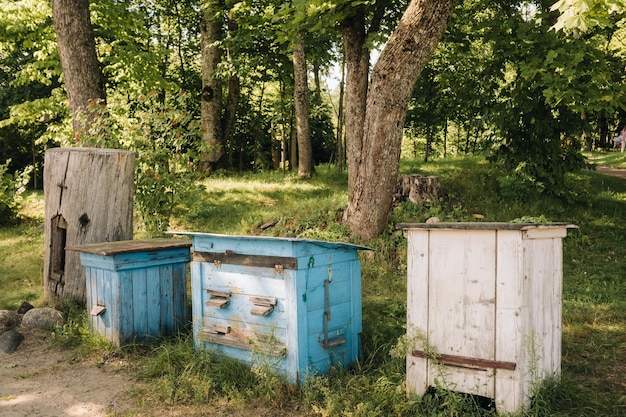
(165, 140)
(164, 134)
(75, 333)
(11, 189)
(583, 15)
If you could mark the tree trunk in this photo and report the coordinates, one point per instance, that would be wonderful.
(211, 101)
(234, 94)
(357, 58)
(341, 149)
(400, 63)
(84, 82)
(418, 189)
(88, 196)
(305, 149)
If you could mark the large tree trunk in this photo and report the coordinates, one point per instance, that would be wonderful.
(400, 63)
(301, 102)
(357, 58)
(84, 82)
(88, 197)
(211, 101)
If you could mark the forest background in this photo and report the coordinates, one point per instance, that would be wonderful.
(529, 84)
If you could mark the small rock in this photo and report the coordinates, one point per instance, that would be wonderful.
(9, 320)
(41, 318)
(24, 308)
(432, 220)
(9, 341)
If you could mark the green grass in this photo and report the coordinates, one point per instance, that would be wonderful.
(593, 379)
(611, 158)
(21, 256)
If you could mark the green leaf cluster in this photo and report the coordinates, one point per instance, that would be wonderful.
(11, 189)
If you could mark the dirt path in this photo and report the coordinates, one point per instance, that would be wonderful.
(39, 380)
(615, 172)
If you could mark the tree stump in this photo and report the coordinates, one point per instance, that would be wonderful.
(419, 189)
(88, 195)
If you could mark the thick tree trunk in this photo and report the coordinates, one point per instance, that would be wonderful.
(211, 101)
(84, 82)
(88, 197)
(357, 58)
(400, 63)
(305, 149)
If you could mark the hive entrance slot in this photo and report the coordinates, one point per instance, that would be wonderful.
(262, 306)
(218, 299)
(58, 240)
(219, 330)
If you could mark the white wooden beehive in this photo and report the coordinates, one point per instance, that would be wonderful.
(484, 308)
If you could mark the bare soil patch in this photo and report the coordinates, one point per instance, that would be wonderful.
(41, 380)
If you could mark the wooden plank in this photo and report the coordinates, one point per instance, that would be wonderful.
(130, 246)
(485, 226)
(242, 284)
(108, 321)
(466, 361)
(242, 335)
(125, 307)
(509, 320)
(266, 245)
(166, 310)
(198, 298)
(462, 293)
(257, 261)
(140, 298)
(418, 307)
(153, 305)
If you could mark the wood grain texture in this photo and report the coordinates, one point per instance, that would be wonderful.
(91, 190)
(488, 301)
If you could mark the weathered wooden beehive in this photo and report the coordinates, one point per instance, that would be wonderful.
(136, 289)
(88, 199)
(484, 308)
(292, 303)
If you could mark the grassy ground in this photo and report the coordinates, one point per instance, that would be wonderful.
(593, 379)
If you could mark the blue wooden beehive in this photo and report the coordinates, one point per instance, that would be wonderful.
(136, 289)
(294, 304)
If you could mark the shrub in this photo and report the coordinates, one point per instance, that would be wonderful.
(12, 186)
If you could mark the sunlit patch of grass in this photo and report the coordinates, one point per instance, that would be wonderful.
(614, 159)
(21, 266)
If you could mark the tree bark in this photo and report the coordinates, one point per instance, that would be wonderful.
(418, 189)
(400, 63)
(341, 149)
(84, 82)
(357, 58)
(305, 149)
(88, 196)
(211, 101)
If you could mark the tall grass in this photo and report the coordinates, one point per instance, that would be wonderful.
(594, 302)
